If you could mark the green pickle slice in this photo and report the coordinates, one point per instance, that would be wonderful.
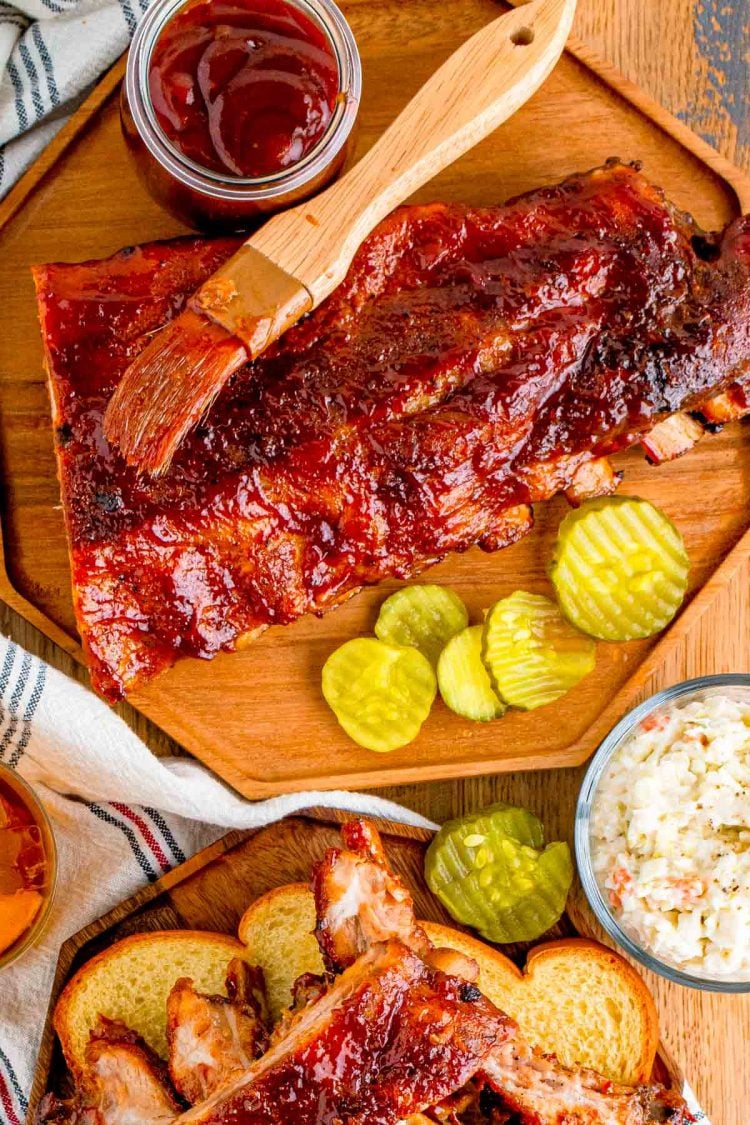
(463, 679)
(380, 694)
(423, 617)
(533, 655)
(620, 568)
(491, 871)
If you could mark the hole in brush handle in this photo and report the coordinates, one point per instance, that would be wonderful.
(523, 37)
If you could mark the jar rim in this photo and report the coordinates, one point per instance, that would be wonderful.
(330, 19)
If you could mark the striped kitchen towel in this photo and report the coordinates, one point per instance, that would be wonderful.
(51, 54)
(121, 817)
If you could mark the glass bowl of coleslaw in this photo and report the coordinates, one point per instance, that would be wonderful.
(662, 833)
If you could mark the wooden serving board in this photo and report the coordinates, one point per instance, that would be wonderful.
(214, 888)
(258, 718)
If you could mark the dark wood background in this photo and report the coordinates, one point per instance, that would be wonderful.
(694, 57)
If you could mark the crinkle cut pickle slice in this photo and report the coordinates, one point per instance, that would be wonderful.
(620, 568)
(533, 655)
(423, 616)
(464, 681)
(381, 694)
(491, 871)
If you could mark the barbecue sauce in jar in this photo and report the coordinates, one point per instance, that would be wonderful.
(237, 108)
(27, 865)
(245, 87)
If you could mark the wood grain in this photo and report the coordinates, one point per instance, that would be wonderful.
(658, 47)
(213, 889)
(693, 56)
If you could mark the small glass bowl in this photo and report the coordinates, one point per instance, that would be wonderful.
(14, 781)
(205, 199)
(734, 685)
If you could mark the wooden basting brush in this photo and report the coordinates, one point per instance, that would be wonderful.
(299, 257)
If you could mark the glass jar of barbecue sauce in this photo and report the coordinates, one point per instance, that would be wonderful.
(234, 109)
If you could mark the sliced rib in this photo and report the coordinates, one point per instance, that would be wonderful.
(543, 1092)
(389, 1038)
(213, 1038)
(359, 900)
(124, 1083)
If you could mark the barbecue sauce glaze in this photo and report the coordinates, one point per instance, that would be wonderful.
(470, 362)
(245, 87)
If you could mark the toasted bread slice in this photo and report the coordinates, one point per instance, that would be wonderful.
(131, 980)
(575, 999)
(277, 931)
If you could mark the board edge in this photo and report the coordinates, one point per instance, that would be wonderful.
(573, 754)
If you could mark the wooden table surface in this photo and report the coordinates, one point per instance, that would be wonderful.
(694, 57)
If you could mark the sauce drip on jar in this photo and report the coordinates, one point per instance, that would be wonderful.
(245, 87)
(24, 866)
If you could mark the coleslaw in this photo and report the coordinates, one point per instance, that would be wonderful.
(670, 836)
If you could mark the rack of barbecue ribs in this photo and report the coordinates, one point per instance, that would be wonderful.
(396, 1028)
(475, 361)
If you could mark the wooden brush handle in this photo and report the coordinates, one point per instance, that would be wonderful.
(482, 84)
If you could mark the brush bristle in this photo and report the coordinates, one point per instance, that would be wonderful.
(168, 388)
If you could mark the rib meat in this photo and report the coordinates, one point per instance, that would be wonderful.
(359, 900)
(391, 1037)
(213, 1038)
(125, 1083)
(543, 1092)
(473, 361)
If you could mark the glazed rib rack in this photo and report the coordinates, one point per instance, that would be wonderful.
(475, 361)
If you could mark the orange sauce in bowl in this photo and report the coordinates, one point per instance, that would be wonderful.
(26, 862)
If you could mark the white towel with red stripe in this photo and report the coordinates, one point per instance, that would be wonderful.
(121, 817)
